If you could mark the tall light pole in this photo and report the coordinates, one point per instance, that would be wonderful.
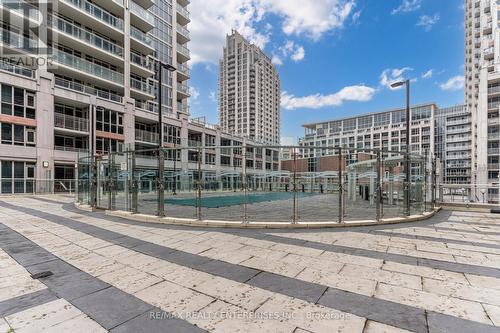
(161, 157)
(407, 157)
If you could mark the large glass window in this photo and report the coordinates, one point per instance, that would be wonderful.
(109, 121)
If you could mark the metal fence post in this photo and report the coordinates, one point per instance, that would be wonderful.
(340, 186)
(93, 182)
(378, 188)
(294, 212)
(407, 186)
(161, 183)
(433, 186)
(134, 185)
(245, 185)
(426, 174)
(199, 185)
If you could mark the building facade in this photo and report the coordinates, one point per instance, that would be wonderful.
(95, 93)
(482, 91)
(381, 130)
(454, 143)
(249, 92)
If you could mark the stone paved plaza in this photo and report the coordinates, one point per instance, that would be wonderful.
(111, 274)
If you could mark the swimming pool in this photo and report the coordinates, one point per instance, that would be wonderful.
(235, 199)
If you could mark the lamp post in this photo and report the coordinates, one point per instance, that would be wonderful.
(407, 157)
(161, 157)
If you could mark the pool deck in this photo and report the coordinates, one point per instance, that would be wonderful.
(112, 274)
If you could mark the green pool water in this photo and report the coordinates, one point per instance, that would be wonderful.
(236, 199)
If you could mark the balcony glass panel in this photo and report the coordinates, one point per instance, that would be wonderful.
(97, 12)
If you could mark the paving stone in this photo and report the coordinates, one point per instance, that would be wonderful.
(390, 313)
(72, 286)
(111, 307)
(129, 279)
(303, 290)
(79, 324)
(462, 291)
(156, 320)
(375, 327)
(439, 323)
(438, 303)
(43, 317)
(493, 312)
(223, 269)
(26, 301)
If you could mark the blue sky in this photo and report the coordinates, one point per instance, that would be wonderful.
(360, 44)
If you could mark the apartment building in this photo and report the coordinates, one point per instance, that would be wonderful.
(482, 91)
(381, 130)
(454, 143)
(95, 89)
(249, 92)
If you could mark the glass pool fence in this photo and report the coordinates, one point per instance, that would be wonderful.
(254, 184)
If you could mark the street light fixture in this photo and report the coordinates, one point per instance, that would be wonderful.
(407, 157)
(161, 158)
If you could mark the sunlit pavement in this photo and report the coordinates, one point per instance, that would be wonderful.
(111, 274)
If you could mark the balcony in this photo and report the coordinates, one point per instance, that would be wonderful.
(458, 148)
(183, 71)
(194, 143)
(141, 41)
(95, 12)
(145, 136)
(141, 17)
(87, 90)
(71, 123)
(459, 139)
(493, 136)
(493, 151)
(489, 53)
(183, 52)
(85, 67)
(182, 34)
(143, 66)
(182, 108)
(81, 35)
(16, 69)
(22, 8)
(183, 16)
(146, 106)
(147, 90)
(183, 89)
(17, 43)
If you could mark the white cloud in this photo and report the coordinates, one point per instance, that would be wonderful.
(210, 23)
(194, 93)
(428, 74)
(454, 83)
(427, 21)
(212, 96)
(391, 75)
(276, 60)
(358, 93)
(356, 16)
(299, 54)
(407, 6)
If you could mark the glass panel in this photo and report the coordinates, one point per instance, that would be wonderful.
(6, 177)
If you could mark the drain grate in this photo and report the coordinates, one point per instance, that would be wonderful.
(42, 275)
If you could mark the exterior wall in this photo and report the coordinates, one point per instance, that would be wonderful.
(69, 100)
(381, 130)
(249, 92)
(482, 91)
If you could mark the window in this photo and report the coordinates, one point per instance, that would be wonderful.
(381, 119)
(19, 135)
(7, 134)
(109, 121)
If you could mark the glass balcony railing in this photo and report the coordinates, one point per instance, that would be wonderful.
(17, 41)
(88, 67)
(142, 86)
(140, 36)
(183, 31)
(71, 123)
(97, 12)
(183, 88)
(16, 69)
(141, 61)
(142, 13)
(183, 11)
(145, 136)
(183, 69)
(22, 8)
(86, 36)
(59, 82)
(183, 50)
